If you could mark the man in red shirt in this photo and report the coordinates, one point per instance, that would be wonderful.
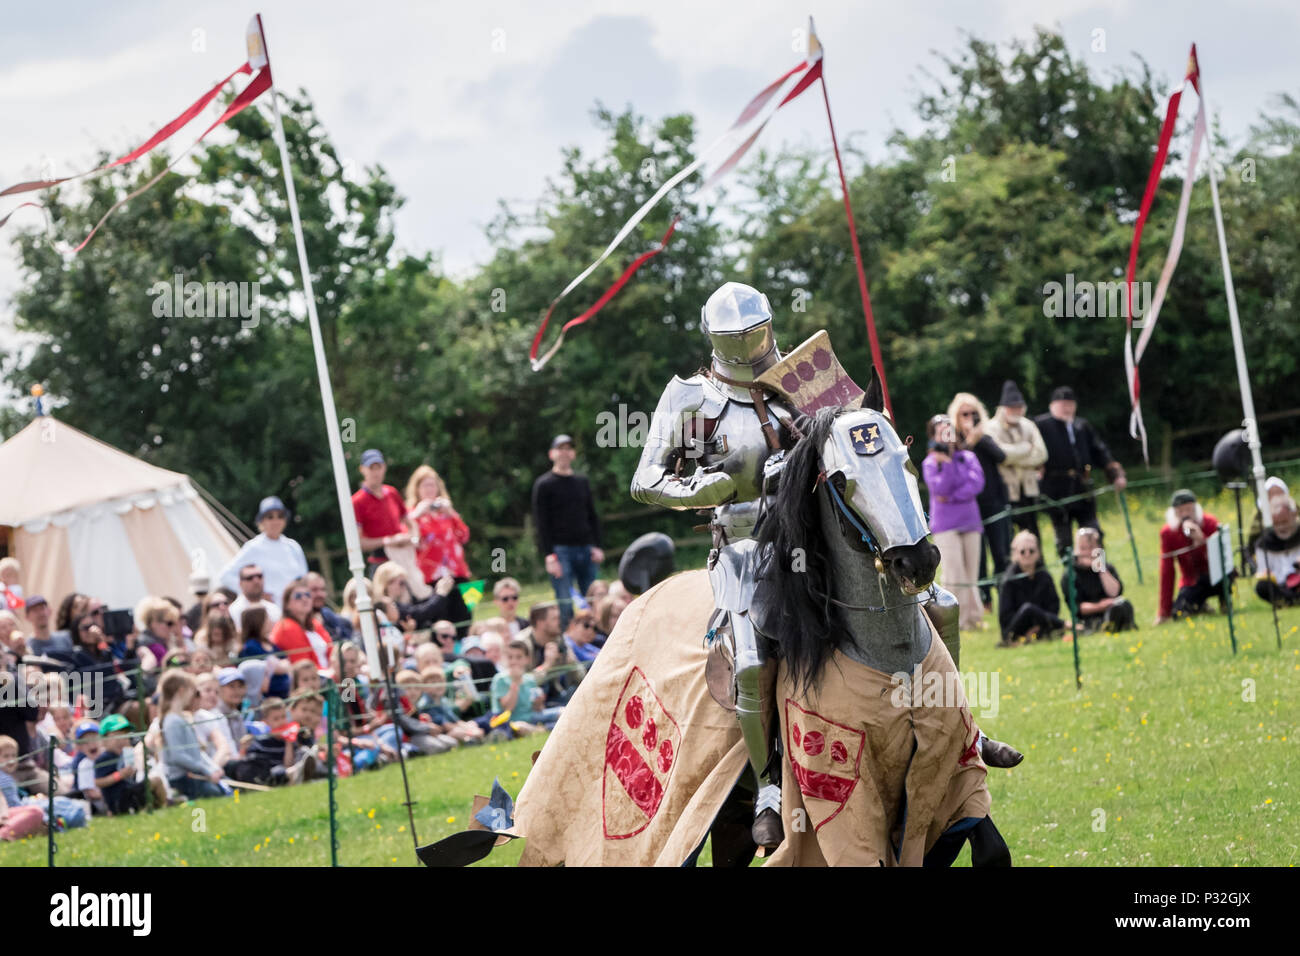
(380, 510)
(1183, 539)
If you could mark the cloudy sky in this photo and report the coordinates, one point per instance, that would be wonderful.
(468, 103)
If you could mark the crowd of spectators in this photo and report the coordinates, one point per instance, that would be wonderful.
(169, 702)
(173, 703)
(987, 475)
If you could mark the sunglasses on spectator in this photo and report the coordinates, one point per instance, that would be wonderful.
(222, 603)
(299, 595)
(249, 577)
(510, 597)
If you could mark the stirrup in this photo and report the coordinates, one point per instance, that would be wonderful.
(767, 831)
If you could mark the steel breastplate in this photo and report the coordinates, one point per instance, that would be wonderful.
(736, 431)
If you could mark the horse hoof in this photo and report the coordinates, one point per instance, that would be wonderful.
(767, 830)
(998, 754)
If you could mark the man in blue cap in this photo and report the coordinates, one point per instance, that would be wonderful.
(278, 558)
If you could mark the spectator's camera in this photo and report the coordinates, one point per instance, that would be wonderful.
(1188, 525)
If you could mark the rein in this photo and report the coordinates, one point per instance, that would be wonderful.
(927, 595)
(867, 537)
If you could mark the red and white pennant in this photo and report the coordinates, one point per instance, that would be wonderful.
(794, 81)
(259, 84)
(1133, 356)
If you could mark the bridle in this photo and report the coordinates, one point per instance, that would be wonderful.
(873, 549)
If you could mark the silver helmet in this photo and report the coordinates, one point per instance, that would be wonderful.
(738, 321)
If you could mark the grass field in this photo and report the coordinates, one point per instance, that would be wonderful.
(1174, 752)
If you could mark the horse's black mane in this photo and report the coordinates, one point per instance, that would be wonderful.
(795, 576)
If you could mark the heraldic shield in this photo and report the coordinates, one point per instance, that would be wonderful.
(825, 757)
(640, 752)
(811, 377)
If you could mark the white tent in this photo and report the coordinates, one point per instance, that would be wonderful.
(82, 516)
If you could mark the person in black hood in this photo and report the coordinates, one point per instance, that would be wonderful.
(1028, 605)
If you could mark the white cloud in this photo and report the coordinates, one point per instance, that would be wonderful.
(420, 89)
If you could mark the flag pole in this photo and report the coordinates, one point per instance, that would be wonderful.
(814, 46)
(351, 536)
(1243, 376)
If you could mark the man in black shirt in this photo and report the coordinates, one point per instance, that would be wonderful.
(1097, 587)
(1074, 450)
(568, 531)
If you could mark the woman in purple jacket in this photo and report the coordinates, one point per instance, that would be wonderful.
(954, 478)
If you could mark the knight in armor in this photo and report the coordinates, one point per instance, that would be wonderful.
(716, 442)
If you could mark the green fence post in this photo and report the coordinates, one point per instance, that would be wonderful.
(1123, 507)
(332, 697)
(143, 710)
(1073, 598)
(50, 782)
(1225, 552)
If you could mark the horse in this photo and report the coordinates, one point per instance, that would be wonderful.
(645, 764)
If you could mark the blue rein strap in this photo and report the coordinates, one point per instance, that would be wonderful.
(867, 539)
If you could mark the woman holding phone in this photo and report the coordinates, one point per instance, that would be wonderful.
(443, 533)
(968, 416)
(954, 477)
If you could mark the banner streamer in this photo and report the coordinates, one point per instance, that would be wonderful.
(1131, 359)
(803, 74)
(258, 85)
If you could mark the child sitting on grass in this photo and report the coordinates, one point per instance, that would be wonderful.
(113, 769)
(432, 704)
(307, 712)
(305, 678)
(358, 721)
(89, 747)
(464, 696)
(59, 726)
(16, 820)
(274, 758)
(515, 692)
(25, 816)
(190, 771)
(406, 725)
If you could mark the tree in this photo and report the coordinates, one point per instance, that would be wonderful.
(230, 398)
(1029, 171)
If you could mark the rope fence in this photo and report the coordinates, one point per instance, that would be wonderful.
(339, 721)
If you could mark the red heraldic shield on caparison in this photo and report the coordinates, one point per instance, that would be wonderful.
(640, 752)
(824, 756)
